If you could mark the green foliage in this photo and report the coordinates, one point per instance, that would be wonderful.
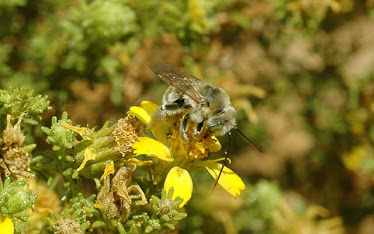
(69, 148)
(60, 137)
(162, 216)
(15, 199)
(73, 40)
(74, 218)
(68, 153)
(4, 54)
(19, 100)
(105, 21)
(259, 204)
(92, 29)
(165, 213)
(12, 3)
(308, 14)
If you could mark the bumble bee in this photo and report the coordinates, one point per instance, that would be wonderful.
(201, 104)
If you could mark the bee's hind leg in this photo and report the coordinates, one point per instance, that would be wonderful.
(164, 112)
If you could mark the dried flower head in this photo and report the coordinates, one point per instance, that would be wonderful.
(115, 198)
(127, 133)
(67, 226)
(14, 160)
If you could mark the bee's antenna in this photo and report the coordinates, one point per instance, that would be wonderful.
(223, 165)
(249, 141)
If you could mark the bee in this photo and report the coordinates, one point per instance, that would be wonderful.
(204, 106)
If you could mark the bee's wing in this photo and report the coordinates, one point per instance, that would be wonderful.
(184, 82)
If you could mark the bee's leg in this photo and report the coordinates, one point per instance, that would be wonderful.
(197, 130)
(174, 106)
(223, 164)
(171, 107)
(183, 129)
(167, 109)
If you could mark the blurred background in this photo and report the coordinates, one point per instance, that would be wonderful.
(299, 72)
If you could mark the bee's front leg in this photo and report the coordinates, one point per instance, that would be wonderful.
(197, 132)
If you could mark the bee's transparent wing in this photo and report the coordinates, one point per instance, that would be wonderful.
(184, 82)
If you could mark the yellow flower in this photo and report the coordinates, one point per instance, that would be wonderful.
(6, 225)
(167, 147)
(144, 113)
(229, 180)
(181, 181)
(201, 149)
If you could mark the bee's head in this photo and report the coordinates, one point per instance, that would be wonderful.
(222, 120)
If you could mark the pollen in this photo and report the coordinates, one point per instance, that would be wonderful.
(127, 133)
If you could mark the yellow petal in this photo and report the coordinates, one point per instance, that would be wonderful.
(138, 162)
(149, 107)
(143, 112)
(140, 113)
(6, 225)
(85, 133)
(152, 148)
(229, 180)
(109, 170)
(89, 154)
(160, 131)
(181, 181)
(213, 144)
(99, 206)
